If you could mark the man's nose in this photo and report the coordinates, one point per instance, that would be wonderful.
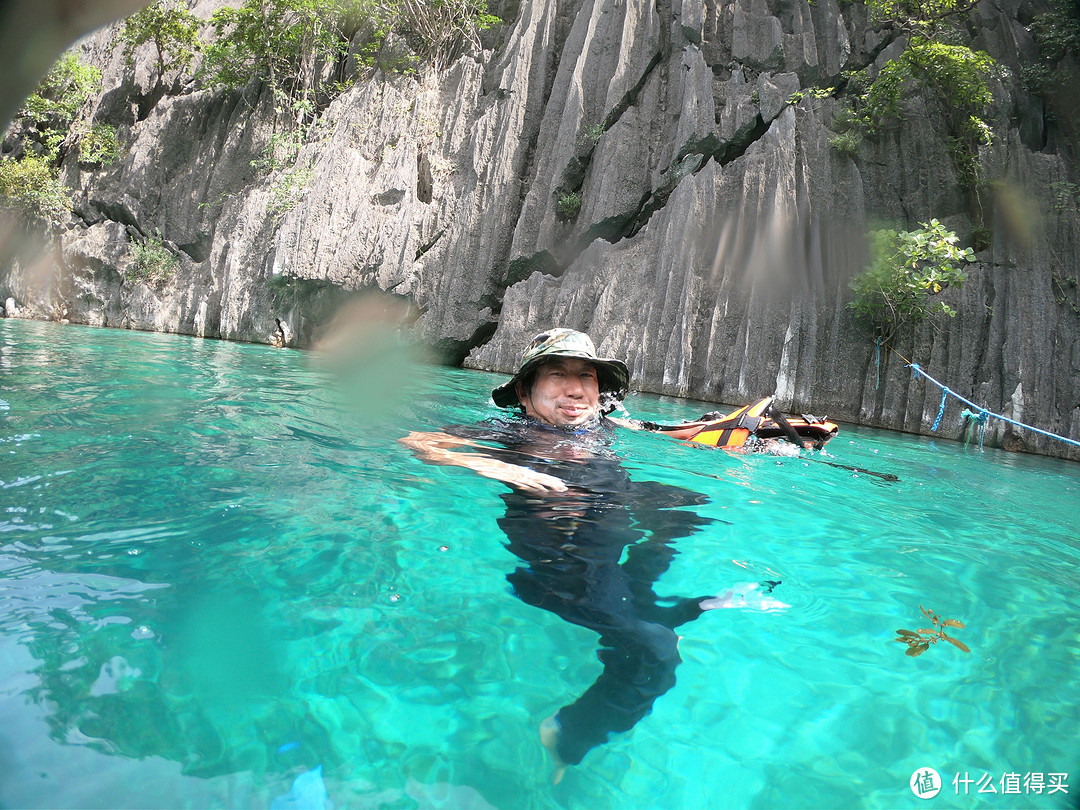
(573, 386)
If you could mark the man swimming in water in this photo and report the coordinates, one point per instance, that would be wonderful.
(593, 542)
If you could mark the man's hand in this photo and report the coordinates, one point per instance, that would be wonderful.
(439, 448)
(745, 596)
(537, 483)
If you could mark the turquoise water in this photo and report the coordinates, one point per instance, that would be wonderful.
(218, 572)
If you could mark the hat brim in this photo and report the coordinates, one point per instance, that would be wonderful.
(612, 376)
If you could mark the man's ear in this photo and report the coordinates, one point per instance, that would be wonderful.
(522, 394)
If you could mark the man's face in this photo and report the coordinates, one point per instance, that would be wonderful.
(565, 393)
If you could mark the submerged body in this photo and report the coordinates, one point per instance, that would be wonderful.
(592, 555)
(593, 541)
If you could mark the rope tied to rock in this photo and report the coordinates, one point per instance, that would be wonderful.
(877, 364)
(980, 415)
(970, 419)
(944, 396)
(941, 410)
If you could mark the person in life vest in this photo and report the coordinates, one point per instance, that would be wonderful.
(592, 541)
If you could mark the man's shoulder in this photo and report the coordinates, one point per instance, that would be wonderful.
(520, 429)
(501, 429)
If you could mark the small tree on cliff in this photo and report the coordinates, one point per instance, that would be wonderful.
(957, 79)
(282, 42)
(52, 108)
(171, 29)
(954, 78)
(907, 269)
(1053, 74)
(301, 47)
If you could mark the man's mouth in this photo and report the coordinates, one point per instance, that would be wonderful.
(574, 410)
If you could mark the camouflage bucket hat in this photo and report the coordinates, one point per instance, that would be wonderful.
(612, 375)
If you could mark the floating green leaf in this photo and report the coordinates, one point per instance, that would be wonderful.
(919, 641)
(957, 642)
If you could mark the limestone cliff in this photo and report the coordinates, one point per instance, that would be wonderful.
(716, 232)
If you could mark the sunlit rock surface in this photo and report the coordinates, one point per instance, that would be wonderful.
(637, 170)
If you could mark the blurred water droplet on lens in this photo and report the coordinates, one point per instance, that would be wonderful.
(367, 349)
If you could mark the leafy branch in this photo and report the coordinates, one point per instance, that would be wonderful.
(953, 78)
(445, 29)
(914, 17)
(907, 268)
(919, 641)
(31, 188)
(170, 28)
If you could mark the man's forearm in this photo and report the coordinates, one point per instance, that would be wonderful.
(442, 448)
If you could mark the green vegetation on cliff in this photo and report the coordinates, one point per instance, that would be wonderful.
(929, 19)
(907, 269)
(29, 181)
(287, 43)
(307, 48)
(52, 108)
(65, 88)
(151, 261)
(170, 28)
(309, 51)
(98, 145)
(1054, 74)
(952, 78)
(31, 190)
(1057, 34)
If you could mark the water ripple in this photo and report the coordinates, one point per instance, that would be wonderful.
(208, 563)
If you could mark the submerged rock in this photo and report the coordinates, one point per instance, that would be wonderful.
(308, 792)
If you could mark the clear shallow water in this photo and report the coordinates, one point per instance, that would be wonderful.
(216, 575)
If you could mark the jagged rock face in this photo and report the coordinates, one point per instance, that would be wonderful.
(632, 169)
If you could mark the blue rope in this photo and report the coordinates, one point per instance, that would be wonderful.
(983, 414)
(980, 419)
(966, 418)
(877, 364)
(941, 410)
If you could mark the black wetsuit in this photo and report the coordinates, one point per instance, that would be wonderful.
(572, 543)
